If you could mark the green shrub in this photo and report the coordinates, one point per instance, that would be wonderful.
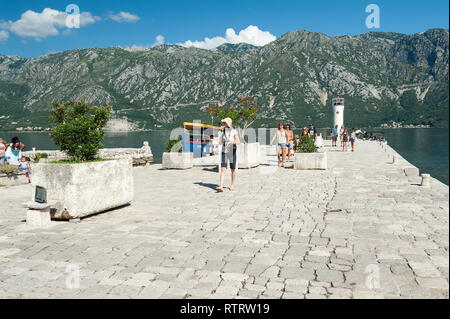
(38, 156)
(174, 145)
(79, 129)
(306, 145)
(9, 169)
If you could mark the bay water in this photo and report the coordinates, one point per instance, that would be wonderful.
(425, 148)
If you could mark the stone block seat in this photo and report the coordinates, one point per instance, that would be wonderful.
(38, 214)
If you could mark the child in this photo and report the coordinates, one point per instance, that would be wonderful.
(296, 142)
(24, 167)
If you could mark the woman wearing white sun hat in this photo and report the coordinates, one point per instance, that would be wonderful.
(229, 139)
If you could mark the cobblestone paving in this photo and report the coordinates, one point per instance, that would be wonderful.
(361, 229)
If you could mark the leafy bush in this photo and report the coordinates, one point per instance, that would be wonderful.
(306, 145)
(174, 145)
(9, 169)
(38, 156)
(79, 129)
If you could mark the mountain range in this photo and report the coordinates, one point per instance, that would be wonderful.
(383, 77)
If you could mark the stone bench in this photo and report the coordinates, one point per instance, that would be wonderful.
(38, 214)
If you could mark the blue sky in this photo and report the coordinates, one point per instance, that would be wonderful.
(126, 23)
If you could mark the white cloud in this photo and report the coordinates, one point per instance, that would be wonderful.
(44, 24)
(3, 36)
(159, 40)
(123, 17)
(251, 35)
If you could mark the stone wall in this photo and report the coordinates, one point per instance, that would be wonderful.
(13, 179)
(140, 156)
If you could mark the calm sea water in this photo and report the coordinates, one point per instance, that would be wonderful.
(425, 148)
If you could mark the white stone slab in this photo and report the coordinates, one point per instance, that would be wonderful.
(85, 189)
(248, 155)
(13, 179)
(38, 218)
(39, 206)
(175, 160)
(310, 161)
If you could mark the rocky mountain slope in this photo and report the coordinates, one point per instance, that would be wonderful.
(383, 77)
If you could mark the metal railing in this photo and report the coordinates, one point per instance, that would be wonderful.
(339, 101)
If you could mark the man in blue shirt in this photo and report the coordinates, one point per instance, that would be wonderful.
(334, 135)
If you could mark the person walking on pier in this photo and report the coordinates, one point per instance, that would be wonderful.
(312, 131)
(353, 139)
(341, 133)
(282, 140)
(229, 139)
(290, 143)
(304, 132)
(345, 139)
(334, 135)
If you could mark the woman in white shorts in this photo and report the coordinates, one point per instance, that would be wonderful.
(282, 140)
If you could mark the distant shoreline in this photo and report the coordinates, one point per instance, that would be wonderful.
(299, 128)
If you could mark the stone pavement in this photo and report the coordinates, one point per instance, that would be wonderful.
(361, 229)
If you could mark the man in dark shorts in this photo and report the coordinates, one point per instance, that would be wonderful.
(335, 135)
(229, 139)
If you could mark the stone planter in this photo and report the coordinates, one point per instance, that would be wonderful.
(175, 160)
(248, 155)
(84, 189)
(310, 161)
(13, 179)
(319, 141)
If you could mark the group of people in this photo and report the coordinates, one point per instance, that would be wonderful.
(11, 154)
(345, 137)
(287, 142)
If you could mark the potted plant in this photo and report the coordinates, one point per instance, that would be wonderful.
(175, 158)
(244, 114)
(84, 184)
(307, 156)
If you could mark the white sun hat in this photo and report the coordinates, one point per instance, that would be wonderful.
(228, 121)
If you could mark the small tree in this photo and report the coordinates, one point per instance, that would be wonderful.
(306, 145)
(243, 115)
(79, 129)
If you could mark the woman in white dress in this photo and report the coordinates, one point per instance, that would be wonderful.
(229, 139)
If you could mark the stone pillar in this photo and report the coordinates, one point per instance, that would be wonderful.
(38, 218)
(425, 180)
(39, 214)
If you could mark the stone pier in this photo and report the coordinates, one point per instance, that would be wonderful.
(362, 228)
